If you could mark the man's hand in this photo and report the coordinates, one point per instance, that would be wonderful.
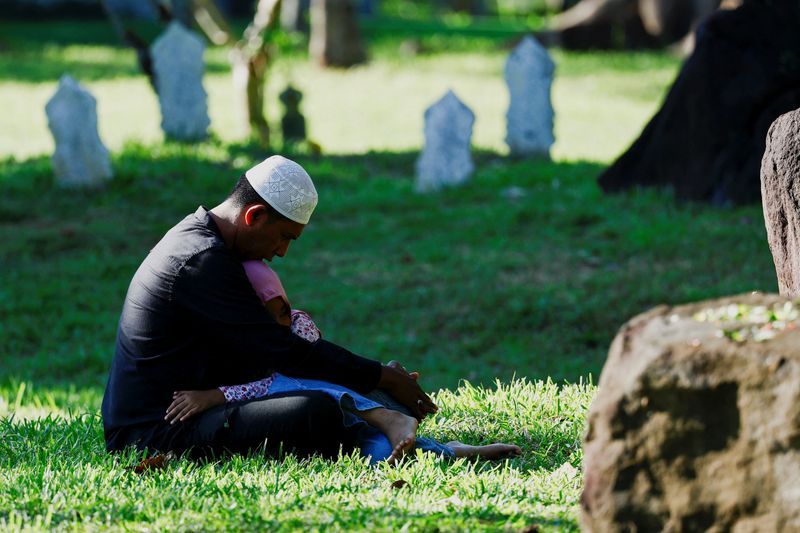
(187, 403)
(404, 387)
(398, 366)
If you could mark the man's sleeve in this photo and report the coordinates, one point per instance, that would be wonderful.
(213, 288)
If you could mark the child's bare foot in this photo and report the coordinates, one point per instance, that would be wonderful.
(400, 429)
(489, 451)
(400, 450)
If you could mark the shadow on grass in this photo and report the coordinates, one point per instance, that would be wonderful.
(87, 50)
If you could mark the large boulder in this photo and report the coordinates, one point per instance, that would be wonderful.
(780, 195)
(707, 139)
(696, 423)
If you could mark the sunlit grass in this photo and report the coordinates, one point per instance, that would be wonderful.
(56, 474)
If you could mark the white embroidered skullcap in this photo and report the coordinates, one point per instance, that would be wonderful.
(284, 185)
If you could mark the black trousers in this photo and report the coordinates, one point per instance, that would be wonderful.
(304, 423)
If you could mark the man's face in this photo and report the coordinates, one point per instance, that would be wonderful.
(269, 237)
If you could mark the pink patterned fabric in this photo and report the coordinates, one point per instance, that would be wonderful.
(248, 391)
(304, 327)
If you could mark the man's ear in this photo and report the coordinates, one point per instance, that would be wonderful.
(254, 213)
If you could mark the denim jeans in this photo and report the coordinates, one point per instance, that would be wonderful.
(372, 442)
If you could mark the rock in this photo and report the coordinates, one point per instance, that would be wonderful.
(696, 422)
(446, 158)
(80, 159)
(707, 139)
(529, 76)
(780, 192)
(178, 65)
(335, 37)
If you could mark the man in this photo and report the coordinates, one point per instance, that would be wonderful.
(192, 321)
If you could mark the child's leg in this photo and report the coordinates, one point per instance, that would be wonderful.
(374, 444)
(488, 451)
(400, 429)
(387, 400)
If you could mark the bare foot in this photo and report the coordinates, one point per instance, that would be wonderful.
(489, 451)
(400, 429)
(400, 450)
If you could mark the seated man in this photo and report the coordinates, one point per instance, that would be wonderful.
(192, 321)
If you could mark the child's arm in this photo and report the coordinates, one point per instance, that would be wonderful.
(187, 403)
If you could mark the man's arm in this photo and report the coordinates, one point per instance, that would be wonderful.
(213, 290)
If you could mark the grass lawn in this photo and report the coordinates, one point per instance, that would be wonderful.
(506, 305)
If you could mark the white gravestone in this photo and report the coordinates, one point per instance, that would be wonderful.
(446, 158)
(529, 75)
(178, 66)
(80, 159)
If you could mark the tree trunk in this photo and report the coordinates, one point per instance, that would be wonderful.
(707, 140)
(627, 23)
(335, 36)
(249, 70)
(250, 61)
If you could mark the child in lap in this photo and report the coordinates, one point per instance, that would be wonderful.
(385, 434)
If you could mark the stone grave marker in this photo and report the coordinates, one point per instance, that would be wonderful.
(529, 76)
(80, 159)
(293, 123)
(446, 158)
(780, 184)
(178, 66)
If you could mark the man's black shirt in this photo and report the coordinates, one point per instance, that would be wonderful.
(192, 321)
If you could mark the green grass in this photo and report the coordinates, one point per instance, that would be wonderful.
(493, 299)
(56, 474)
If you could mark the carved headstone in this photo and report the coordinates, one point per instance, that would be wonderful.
(446, 158)
(335, 37)
(696, 422)
(529, 75)
(780, 195)
(178, 65)
(293, 123)
(80, 158)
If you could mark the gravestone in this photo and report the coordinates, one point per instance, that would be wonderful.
(529, 76)
(780, 184)
(178, 65)
(446, 158)
(293, 123)
(696, 421)
(80, 159)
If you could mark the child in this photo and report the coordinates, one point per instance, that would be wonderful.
(387, 434)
